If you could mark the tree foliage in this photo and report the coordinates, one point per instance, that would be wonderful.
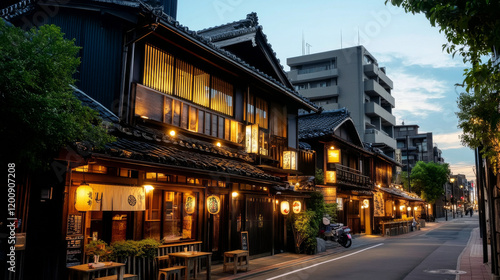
(428, 180)
(472, 29)
(38, 112)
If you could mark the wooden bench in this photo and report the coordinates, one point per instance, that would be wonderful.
(112, 277)
(235, 260)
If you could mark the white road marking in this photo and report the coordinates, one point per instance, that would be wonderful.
(348, 255)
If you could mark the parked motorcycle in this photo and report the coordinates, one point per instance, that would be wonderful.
(338, 233)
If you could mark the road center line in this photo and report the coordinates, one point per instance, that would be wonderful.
(338, 258)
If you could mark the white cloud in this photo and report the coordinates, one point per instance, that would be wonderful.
(448, 140)
(416, 95)
(463, 168)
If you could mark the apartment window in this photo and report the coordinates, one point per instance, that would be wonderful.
(316, 67)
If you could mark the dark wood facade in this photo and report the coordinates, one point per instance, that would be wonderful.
(147, 75)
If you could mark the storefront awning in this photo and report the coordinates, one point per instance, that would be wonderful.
(117, 198)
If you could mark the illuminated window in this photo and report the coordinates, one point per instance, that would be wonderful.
(221, 96)
(256, 111)
(92, 169)
(158, 69)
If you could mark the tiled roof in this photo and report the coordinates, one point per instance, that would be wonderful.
(27, 5)
(88, 101)
(174, 156)
(229, 30)
(401, 193)
(320, 124)
(154, 146)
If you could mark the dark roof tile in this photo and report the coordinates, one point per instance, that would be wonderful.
(320, 124)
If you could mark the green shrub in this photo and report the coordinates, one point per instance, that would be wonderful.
(124, 249)
(98, 248)
(148, 248)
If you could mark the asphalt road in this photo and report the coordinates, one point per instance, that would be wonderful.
(423, 255)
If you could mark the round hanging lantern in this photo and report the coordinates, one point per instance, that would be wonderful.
(213, 204)
(285, 208)
(83, 197)
(296, 206)
(366, 203)
(189, 204)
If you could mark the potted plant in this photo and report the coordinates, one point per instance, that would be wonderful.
(97, 250)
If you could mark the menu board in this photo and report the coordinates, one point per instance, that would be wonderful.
(74, 224)
(244, 240)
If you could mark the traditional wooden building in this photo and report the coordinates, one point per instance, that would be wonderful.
(356, 176)
(205, 138)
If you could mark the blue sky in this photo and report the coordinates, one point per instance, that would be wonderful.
(411, 50)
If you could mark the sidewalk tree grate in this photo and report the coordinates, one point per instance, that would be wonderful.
(445, 271)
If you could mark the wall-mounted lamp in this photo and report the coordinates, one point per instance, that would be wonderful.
(148, 188)
(218, 144)
(172, 133)
(234, 194)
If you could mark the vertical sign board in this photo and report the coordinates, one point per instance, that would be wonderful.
(74, 240)
(244, 240)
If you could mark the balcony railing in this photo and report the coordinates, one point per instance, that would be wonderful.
(353, 177)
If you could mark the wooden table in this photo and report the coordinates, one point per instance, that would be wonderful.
(83, 271)
(191, 258)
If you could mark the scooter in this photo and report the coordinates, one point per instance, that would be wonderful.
(338, 233)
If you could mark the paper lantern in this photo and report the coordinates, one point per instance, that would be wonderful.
(83, 198)
(189, 204)
(285, 208)
(366, 203)
(296, 206)
(213, 204)
(290, 160)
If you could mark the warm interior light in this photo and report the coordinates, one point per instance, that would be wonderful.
(408, 208)
(378, 186)
(234, 194)
(144, 117)
(290, 160)
(213, 204)
(83, 198)
(394, 208)
(297, 184)
(415, 208)
(218, 144)
(172, 133)
(148, 188)
(402, 207)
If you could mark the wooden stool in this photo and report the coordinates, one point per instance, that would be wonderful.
(174, 271)
(165, 268)
(237, 256)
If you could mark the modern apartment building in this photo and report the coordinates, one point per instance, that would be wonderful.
(415, 146)
(351, 78)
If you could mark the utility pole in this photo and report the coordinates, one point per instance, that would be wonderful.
(408, 160)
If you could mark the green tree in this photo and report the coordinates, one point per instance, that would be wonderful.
(38, 112)
(472, 29)
(428, 180)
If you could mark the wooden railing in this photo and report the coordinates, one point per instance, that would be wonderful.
(350, 176)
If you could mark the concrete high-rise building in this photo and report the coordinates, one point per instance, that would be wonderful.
(351, 78)
(416, 146)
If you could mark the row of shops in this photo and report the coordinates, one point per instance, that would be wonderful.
(209, 144)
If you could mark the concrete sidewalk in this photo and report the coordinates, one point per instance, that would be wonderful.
(470, 261)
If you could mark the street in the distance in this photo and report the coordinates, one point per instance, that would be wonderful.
(430, 253)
